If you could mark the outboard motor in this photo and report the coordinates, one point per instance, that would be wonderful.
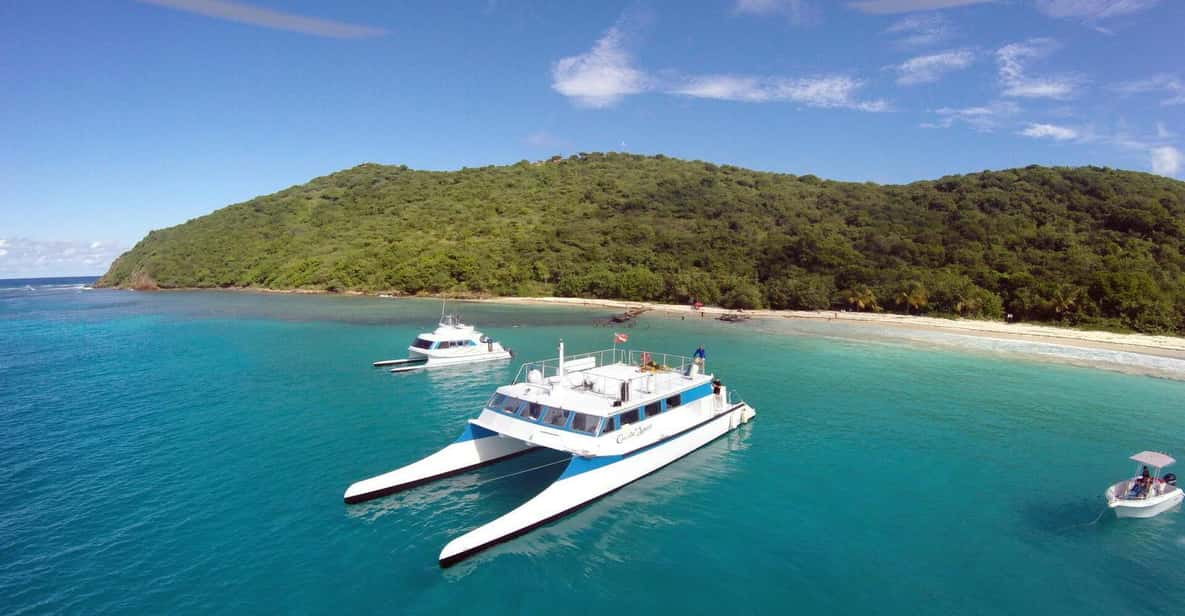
(1170, 478)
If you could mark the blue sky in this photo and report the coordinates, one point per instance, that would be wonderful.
(122, 116)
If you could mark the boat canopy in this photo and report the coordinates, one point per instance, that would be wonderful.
(1153, 458)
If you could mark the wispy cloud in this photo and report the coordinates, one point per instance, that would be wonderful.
(827, 91)
(888, 7)
(1168, 85)
(931, 68)
(1167, 160)
(267, 18)
(1049, 131)
(601, 76)
(1013, 60)
(606, 74)
(983, 118)
(1093, 9)
(800, 12)
(545, 139)
(23, 257)
(916, 31)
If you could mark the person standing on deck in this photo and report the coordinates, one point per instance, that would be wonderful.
(699, 356)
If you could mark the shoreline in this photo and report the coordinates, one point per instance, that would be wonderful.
(1145, 344)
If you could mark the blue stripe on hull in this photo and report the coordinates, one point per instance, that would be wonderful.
(580, 464)
(473, 432)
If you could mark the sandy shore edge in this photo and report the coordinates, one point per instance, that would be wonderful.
(1162, 346)
(1159, 346)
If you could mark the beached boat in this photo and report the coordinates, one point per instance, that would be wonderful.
(621, 415)
(450, 344)
(1148, 493)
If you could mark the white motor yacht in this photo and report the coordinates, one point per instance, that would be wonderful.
(450, 344)
(620, 414)
(1148, 493)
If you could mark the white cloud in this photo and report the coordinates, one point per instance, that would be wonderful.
(797, 11)
(1171, 86)
(983, 118)
(886, 7)
(1049, 131)
(829, 91)
(921, 30)
(23, 257)
(267, 18)
(1012, 62)
(930, 68)
(1093, 9)
(600, 77)
(605, 75)
(1162, 131)
(544, 139)
(1167, 160)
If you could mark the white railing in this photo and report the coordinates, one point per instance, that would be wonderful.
(659, 365)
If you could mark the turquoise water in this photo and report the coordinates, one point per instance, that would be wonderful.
(187, 453)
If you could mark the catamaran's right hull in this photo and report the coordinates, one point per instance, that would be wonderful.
(587, 479)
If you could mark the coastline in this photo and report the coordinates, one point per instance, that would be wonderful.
(1160, 346)
(1170, 347)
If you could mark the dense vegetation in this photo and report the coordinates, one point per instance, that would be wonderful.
(1085, 246)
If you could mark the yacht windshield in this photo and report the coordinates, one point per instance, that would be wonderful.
(585, 423)
(420, 343)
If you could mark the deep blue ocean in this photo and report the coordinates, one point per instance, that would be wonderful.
(186, 453)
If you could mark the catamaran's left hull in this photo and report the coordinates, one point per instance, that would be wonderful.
(476, 447)
(587, 479)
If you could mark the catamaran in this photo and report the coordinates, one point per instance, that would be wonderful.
(452, 343)
(620, 414)
(1148, 493)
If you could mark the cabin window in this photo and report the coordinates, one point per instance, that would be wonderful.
(674, 401)
(510, 405)
(609, 426)
(585, 423)
(534, 410)
(470, 343)
(420, 343)
(652, 409)
(556, 417)
(629, 417)
(496, 401)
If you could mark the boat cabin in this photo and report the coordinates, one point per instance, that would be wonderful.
(605, 400)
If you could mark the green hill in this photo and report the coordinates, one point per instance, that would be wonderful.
(1083, 246)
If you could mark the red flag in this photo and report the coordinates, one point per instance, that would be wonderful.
(619, 338)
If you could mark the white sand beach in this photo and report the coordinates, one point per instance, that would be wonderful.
(1160, 346)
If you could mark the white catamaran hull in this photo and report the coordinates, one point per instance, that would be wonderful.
(474, 448)
(587, 479)
(468, 359)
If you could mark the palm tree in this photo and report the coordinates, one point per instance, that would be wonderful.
(913, 296)
(861, 298)
(968, 304)
(1064, 300)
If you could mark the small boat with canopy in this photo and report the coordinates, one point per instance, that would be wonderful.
(1148, 493)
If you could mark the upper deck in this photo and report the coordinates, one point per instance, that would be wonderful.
(604, 383)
